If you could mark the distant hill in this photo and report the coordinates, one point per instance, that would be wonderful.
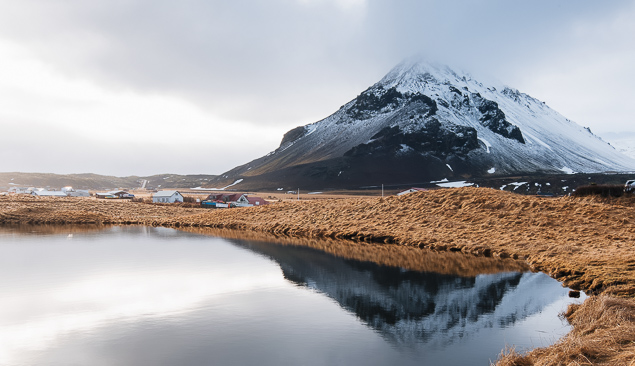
(425, 122)
(624, 142)
(100, 182)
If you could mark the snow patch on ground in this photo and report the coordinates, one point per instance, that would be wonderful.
(458, 184)
(449, 167)
(311, 128)
(517, 184)
(233, 184)
(536, 139)
(218, 189)
(440, 181)
(315, 192)
(567, 170)
(487, 144)
(492, 170)
(404, 149)
(288, 146)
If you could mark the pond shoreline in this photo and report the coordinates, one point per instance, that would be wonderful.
(587, 244)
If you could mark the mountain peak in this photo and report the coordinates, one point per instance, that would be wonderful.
(426, 122)
(418, 74)
(414, 67)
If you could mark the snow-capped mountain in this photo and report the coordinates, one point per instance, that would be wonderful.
(409, 307)
(425, 122)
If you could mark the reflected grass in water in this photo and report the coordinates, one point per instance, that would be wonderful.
(414, 259)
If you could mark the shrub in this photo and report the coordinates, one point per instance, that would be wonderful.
(604, 190)
(190, 199)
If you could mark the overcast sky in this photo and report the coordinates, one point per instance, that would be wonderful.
(142, 87)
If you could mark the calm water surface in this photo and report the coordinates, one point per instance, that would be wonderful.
(155, 296)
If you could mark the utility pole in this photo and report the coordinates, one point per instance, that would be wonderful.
(298, 194)
(382, 190)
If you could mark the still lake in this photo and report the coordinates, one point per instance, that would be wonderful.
(156, 296)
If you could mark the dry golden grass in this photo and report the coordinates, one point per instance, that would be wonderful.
(587, 243)
(603, 334)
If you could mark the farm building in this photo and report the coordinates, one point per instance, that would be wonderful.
(21, 190)
(256, 201)
(235, 199)
(45, 193)
(224, 197)
(70, 192)
(114, 195)
(167, 197)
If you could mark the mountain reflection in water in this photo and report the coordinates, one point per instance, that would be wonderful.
(156, 296)
(408, 306)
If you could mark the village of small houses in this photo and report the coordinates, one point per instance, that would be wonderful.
(200, 198)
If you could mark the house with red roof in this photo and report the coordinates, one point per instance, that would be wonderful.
(237, 199)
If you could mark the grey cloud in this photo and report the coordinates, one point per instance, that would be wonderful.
(288, 62)
(250, 59)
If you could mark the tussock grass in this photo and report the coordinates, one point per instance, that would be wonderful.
(603, 334)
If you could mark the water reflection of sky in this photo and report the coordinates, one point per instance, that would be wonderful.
(152, 296)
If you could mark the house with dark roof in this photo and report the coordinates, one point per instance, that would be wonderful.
(115, 194)
(257, 201)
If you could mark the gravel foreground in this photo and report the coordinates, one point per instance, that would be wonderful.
(586, 243)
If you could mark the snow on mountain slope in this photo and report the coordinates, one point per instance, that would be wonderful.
(552, 142)
(426, 121)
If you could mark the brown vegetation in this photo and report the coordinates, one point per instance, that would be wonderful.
(604, 190)
(603, 334)
(585, 242)
(415, 259)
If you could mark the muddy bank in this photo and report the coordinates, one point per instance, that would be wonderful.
(588, 244)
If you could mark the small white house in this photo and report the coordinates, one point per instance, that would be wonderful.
(45, 193)
(167, 197)
(21, 190)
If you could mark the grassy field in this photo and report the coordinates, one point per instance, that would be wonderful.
(585, 242)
